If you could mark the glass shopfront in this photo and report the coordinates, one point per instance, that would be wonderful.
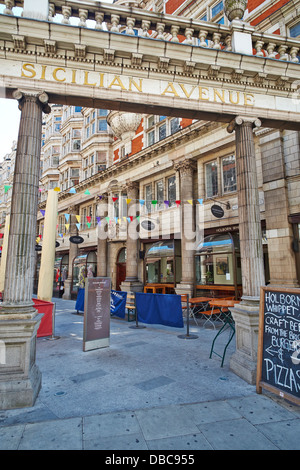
(218, 266)
(163, 263)
(61, 269)
(84, 265)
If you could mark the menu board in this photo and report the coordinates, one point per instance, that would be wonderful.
(96, 313)
(278, 367)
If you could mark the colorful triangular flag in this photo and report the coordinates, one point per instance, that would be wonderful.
(67, 216)
(201, 201)
(167, 203)
(98, 220)
(67, 226)
(87, 192)
(42, 212)
(57, 189)
(178, 203)
(78, 226)
(128, 201)
(89, 224)
(114, 199)
(72, 191)
(154, 202)
(190, 201)
(6, 188)
(142, 201)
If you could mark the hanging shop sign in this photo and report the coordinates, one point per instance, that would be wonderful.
(217, 211)
(57, 244)
(77, 239)
(38, 248)
(147, 225)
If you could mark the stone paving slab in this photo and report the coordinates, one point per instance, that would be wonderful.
(149, 390)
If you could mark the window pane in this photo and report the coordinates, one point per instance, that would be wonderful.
(76, 144)
(172, 191)
(150, 121)
(151, 138)
(102, 126)
(160, 194)
(216, 9)
(162, 132)
(229, 175)
(102, 112)
(295, 31)
(211, 179)
(148, 195)
(174, 125)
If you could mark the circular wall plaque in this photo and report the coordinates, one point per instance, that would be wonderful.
(217, 211)
(76, 239)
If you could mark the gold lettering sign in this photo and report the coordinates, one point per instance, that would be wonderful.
(137, 85)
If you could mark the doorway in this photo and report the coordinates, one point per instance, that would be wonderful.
(121, 268)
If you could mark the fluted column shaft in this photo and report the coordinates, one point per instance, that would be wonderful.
(18, 286)
(249, 214)
(132, 235)
(186, 170)
(102, 211)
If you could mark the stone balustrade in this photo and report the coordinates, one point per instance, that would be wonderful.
(143, 23)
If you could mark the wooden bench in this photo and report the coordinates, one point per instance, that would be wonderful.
(130, 305)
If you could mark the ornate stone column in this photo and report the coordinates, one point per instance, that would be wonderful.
(132, 283)
(20, 378)
(102, 211)
(246, 314)
(73, 251)
(186, 169)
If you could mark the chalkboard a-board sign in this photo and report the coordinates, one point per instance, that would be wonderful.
(278, 362)
(96, 327)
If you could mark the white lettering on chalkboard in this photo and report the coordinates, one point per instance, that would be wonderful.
(282, 376)
(281, 332)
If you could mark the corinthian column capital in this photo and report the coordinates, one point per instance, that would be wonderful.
(185, 167)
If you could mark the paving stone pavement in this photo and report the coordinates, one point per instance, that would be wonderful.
(149, 390)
